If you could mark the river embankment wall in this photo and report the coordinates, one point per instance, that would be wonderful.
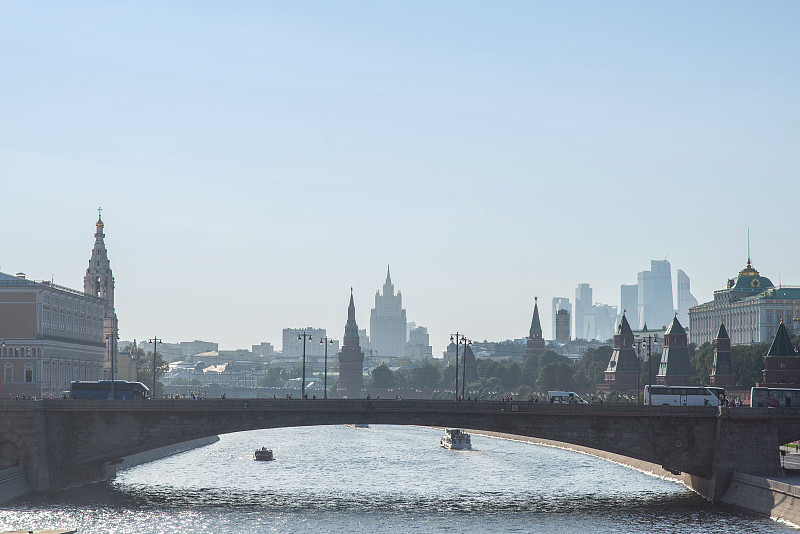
(163, 452)
(778, 500)
(13, 483)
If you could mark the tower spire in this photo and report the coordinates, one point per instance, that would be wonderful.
(748, 246)
(536, 326)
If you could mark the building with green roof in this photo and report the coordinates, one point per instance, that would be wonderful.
(751, 307)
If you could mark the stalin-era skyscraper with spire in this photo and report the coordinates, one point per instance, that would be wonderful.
(351, 358)
(387, 322)
(99, 282)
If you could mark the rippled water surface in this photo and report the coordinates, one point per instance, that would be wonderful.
(381, 479)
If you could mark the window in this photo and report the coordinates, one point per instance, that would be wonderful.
(28, 374)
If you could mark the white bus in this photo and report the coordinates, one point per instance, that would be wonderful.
(684, 395)
(774, 397)
(565, 397)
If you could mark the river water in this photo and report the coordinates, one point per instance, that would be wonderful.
(383, 479)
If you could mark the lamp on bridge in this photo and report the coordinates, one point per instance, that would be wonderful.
(112, 338)
(155, 341)
(464, 374)
(459, 339)
(650, 340)
(305, 337)
(326, 341)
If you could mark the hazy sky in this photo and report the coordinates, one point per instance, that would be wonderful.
(254, 160)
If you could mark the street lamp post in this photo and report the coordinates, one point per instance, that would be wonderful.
(304, 337)
(460, 338)
(155, 341)
(639, 374)
(650, 340)
(464, 374)
(326, 341)
(112, 339)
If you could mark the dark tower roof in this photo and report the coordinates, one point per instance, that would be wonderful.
(351, 328)
(723, 333)
(624, 328)
(536, 327)
(781, 345)
(675, 327)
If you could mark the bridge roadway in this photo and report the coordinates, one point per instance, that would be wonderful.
(67, 442)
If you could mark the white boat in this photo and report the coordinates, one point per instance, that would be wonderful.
(456, 439)
(357, 425)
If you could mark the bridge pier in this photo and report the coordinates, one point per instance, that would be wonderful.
(745, 444)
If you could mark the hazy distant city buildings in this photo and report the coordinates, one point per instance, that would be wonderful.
(685, 298)
(655, 295)
(173, 352)
(583, 304)
(387, 322)
(751, 307)
(419, 344)
(560, 303)
(592, 320)
(562, 326)
(629, 303)
(292, 348)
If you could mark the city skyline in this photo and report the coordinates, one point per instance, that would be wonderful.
(250, 180)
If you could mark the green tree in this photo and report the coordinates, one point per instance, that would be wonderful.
(590, 369)
(748, 363)
(702, 360)
(275, 377)
(510, 374)
(382, 377)
(530, 372)
(557, 376)
(427, 376)
(550, 356)
(144, 373)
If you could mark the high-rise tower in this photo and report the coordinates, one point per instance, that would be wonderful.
(387, 322)
(351, 358)
(583, 308)
(559, 304)
(99, 282)
(655, 295)
(535, 344)
(685, 298)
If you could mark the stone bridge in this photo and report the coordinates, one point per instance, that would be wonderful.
(62, 443)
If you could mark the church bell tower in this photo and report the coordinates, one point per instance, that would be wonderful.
(99, 282)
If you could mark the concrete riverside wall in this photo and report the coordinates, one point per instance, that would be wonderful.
(764, 496)
(778, 500)
(13, 484)
(641, 465)
(163, 452)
